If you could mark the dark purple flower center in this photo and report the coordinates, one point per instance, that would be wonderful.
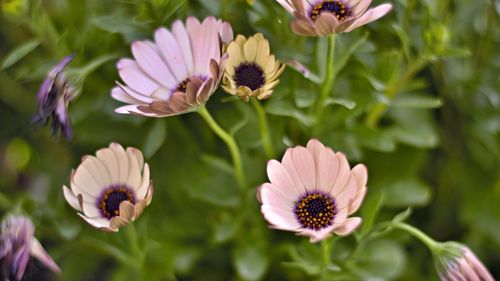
(250, 75)
(315, 211)
(335, 7)
(109, 202)
(182, 86)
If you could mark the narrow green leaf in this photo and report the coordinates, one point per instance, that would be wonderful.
(19, 52)
(155, 138)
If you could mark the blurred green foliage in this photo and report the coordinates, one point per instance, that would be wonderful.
(416, 98)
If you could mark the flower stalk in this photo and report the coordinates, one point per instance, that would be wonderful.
(327, 85)
(230, 142)
(264, 129)
(417, 233)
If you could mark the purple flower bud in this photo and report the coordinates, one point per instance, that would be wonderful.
(53, 98)
(17, 245)
(455, 261)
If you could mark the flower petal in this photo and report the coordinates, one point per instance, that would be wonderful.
(370, 15)
(348, 226)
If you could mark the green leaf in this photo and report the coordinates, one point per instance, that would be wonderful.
(19, 52)
(282, 107)
(347, 103)
(416, 101)
(370, 209)
(155, 138)
(403, 216)
(346, 55)
(374, 139)
(378, 260)
(218, 163)
(406, 192)
(250, 263)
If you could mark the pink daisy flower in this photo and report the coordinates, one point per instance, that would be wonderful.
(325, 17)
(312, 192)
(177, 72)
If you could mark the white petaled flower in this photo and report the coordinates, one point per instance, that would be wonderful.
(110, 189)
(177, 72)
(312, 192)
(325, 17)
(456, 262)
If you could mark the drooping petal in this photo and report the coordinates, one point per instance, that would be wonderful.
(370, 15)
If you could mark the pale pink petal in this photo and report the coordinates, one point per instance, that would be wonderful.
(138, 96)
(304, 164)
(71, 198)
(85, 180)
(326, 24)
(370, 15)
(361, 7)
(287, 162)
(467, 271)
(138, 156)
(96, 222)
(279, 176)
(39, 253)
(356, 202)
(342, 175)
(135, 78)
(133, 109)
(181, 34)
(287, 5)
(204, 38)
(90, 210)
(279, 219)
(120, 95)
(348, 193)
(145, 183)
(348, 226)
(273, 196)
(326, 169)
(123, 162)
(172, 53)
(152, 64)
(226, 32)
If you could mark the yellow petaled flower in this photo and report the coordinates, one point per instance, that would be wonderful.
(251, 71)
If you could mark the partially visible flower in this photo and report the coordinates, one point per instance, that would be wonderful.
(177, 72)
(18, 245)
(53, 98)
(325, 17)
(455, 261)
(251, 71)
(110, 189)
(312, 191)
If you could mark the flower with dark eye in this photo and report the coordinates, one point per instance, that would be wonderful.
(111, 189)
(312, 192)
(325, 17)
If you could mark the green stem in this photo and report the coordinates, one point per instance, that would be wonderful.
(133, 241)
(327, 82)
(264, 129)
(392, 90)
(325, 246)
(230, 142)
(417, 233)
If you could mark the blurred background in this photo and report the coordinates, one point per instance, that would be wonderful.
(431, 69)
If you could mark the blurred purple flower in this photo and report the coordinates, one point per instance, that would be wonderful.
(457, 262)
(17, 245)
(53, 98)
